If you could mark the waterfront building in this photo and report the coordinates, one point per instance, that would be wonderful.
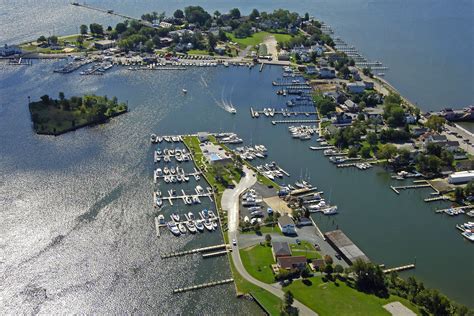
(355, 87)
(327, 73)
(104, 44)
(280, 249)
(8, 50)
(287, 225)
(461, 177)
(165, 25)
(346, 248)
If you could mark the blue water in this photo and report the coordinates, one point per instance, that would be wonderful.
(77, 221)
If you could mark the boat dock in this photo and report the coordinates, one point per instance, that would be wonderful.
(459, 208)
(157, 226)
(401, 268)
(258, 113)
(437, 198)
(184, 196)
(413, 186)
(193, 251)
(294, 121)
(112, 12)
(321, 147)
(201, 286)
(214, 254)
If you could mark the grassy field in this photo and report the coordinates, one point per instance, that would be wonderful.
(257, 38)
(331, 299)
(305, 249)
(198, 52)
(257, 260)
(270, 302)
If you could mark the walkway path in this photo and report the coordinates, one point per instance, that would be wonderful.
(230, 203)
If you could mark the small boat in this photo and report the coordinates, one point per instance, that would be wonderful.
(205, 213)
(330, 211)
(199, 226)
(153, 138)
(173, 228)
(175, 217)
(191, 216)
(232, 110)
(188, 200)
(182, 228)
(196, 199)
(161, 219)
(159, 139)
(199, 189)
(208, 225)
(211, 214)
(185, 91)
(191, 227)
(299, 185)
(159, 201)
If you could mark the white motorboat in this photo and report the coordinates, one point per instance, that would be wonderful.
(191, 227)
(330, 211)
(159, 201)
(191, 216)
(153, 138)
(211, 214)
(199, 226)
(199, 189)
(207, 223)
(185, 91)
(173, 228)
(175, 217)
(182, 228)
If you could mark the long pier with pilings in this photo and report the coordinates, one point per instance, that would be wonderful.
(201, 286)
(193, 251)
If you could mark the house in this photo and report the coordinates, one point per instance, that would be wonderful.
(287, 225)
(355, 87)
(350, 106)
(327, 73)
(283, 55)
(410, 119)
(203, 136)
(317, 264)
(419, 131)
(451, 145)
(355, 73)
(342, 119)
(291, 263)
(104, 44)
(374, 114)
(165, 25)
(220, 49)
(311, 70)
(369, 85)
(304, 221)
(280, 249)
(7, 50)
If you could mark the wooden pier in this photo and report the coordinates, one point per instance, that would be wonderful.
(193, 251)
(401, 268)
(295, 121)
(459, 208)
(413, 186)
(201, 286)
(214, 254)
(261, 67)
(112, 12)
(437, 198)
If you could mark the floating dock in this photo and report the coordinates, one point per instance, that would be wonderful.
(201, 286)
(413, 186)
(294, 121)
(459, 208)
(193, 251)
(401, 268)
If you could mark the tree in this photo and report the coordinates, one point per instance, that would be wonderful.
(120, 27)
(352, 152)
(306, 16)
(83, 29)
(459, 194)
(435, 123)
(235, 13)
(254, 15)
(370, 278)
(328, 259)
(61, 96)
(372, 138)
(469, 189)
(41, 39)
(365, 152)
(196, 14)
(211, 42)
(387, 151)
(222, 36)
(45, 99)
(328, 269)
(217, 14)
(326, 105)
(96, 28)
(268, 238)
(53, 40)
(179, 14)
(287, 308)
(338, 269)
(80, 40)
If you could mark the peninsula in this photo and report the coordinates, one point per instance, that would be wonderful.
(58, 116)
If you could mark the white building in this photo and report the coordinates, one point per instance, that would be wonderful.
(355, 87)
(287, 225)
(327, 73)
(461, 177)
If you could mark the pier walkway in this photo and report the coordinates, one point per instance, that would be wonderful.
(295, 121)
(193, 251)
(201, 286)
(401, 268)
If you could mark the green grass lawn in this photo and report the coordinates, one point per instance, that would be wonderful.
(257, 260)
(198, 52)
(305, 249)
(257, 38)
(265, 230)
(270, 302)
(329, 299)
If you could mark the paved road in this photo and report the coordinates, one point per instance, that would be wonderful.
(230, 203)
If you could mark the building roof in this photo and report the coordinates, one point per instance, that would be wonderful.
(281, 248)
(291, 262)
(285, 220)
(343, 244)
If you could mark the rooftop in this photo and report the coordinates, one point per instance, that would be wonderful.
(281, 248)
(342, 243)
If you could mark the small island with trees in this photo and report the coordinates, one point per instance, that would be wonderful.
(55, 117)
